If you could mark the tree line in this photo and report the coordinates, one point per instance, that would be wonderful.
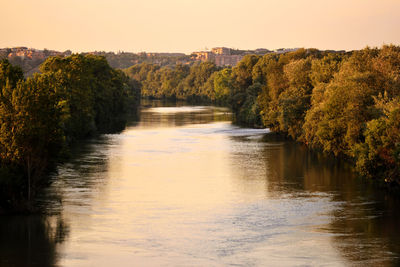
(346, 104)
(71, 99)
(193, 83)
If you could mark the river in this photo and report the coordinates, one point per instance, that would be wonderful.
(186, 187)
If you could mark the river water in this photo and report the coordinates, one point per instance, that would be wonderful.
(185, 187)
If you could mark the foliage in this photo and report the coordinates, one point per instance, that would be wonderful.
(93, 95)
(178, 82)
(380, 153)
(74, 97)
(346, 104)
(222, 85)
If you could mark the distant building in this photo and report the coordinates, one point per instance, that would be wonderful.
(221, 51)
(227, 60)
(221, 56)
(30, 53)
(204, 56)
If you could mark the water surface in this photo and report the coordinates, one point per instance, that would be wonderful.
(185, 187)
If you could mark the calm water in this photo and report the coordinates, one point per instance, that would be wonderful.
(185, 187)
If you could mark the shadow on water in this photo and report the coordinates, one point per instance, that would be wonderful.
(34, 240)
(31, 240)
(365, 222)
(362, 222)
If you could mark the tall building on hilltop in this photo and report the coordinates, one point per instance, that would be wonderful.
(221, 56)
(221, 51)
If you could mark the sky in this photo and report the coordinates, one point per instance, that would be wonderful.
(194, 25)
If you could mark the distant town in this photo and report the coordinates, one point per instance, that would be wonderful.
(224, 56)
(29, 59)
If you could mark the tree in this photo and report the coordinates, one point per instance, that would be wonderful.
(223, 83)
(9, 74)
(30, 133)
(379, 155)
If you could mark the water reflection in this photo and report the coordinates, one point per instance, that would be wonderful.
(361, 220)
(31, 240)
(185, 187)
(159, 114)
(364, 226)
(36, 240)
(82, 177)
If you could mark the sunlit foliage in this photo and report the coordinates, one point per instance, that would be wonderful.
(73, 98)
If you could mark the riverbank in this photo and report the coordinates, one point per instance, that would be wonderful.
(343, 103)
(73, 98)
(184, 179)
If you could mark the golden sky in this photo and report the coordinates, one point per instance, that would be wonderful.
(191, 25)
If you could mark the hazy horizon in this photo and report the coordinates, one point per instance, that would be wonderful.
(187, 26)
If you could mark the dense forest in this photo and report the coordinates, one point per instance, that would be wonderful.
(346, 104)
(71, 99)
(193, 83)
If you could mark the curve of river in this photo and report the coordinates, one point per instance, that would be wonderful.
(185, 187)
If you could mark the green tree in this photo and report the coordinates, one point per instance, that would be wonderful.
(30, 134)
(223, 83)
(9, 74)
(379, 155)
